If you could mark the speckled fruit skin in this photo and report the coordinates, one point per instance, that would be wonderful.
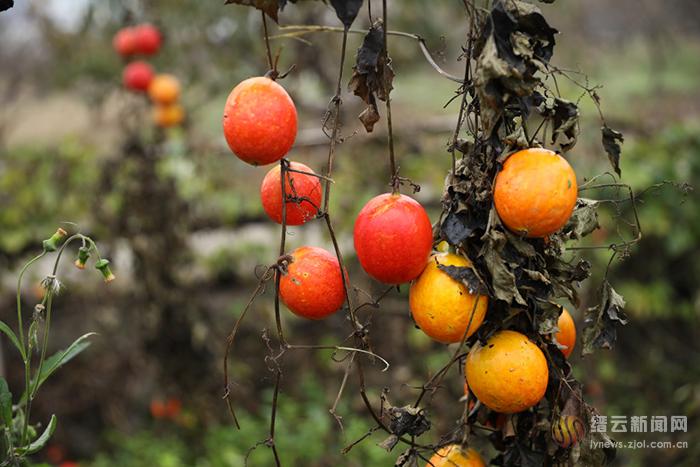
(441, 306)
(393, 238)
(164, 89)
(455, 456)
(137, 76)
(124, 42)
(312, 287)
(305, 187)
(147, 39)
(568, 430)
(260, 121)
(535, 193)
(166, 116)
(567, 332)
(509, 374)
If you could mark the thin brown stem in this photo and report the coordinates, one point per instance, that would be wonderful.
(231, 338)
(394, 180)
(300, 30)
(335, 115)
(270, 62)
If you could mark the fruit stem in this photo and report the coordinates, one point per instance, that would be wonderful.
(394, 179)
(336, 101)
(272, 74)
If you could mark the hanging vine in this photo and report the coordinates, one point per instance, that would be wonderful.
(509, 100)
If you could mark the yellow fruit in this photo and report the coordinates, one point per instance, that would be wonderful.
(509, 374)
(455, 456)
(441, 306)
(567, 332)
(164, 89)
(166, 116)
(536, 192)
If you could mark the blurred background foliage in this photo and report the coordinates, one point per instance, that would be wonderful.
(182, 219)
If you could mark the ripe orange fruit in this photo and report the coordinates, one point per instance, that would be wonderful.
(443, 307)
(509, 374)
(306, 188)
(312, 287)
(393, 238)
(535, 192)
(137, 76)
(164, 89)
(260, 121)
(455, 456)
(568, 430)
(567, 332)
(166, 116)
(124, 42)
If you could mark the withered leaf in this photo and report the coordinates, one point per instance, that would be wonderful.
(516, 41)
(601, 322)
(407, 459)
(571, 400)
(583, 220)
(565, 276)
(612, 143)
(346, 10)
(502, 277)
(270, 7)
(533, 281)
(389, 443)
(369, 117)
(547, 317)
(457, 227)
(466, 276)
(408, 420)
(521, 245)
(372, 75)
(564, 116)
(533, 23)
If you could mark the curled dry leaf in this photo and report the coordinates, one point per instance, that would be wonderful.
(612, 143)
(466, 276)
(601, 322)
(372, 75)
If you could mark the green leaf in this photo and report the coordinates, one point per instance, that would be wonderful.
(58, 359)
(5, 403)
(13, 338)
(39, 443)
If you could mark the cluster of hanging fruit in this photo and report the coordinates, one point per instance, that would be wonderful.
(534, 195)
(139, 76)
